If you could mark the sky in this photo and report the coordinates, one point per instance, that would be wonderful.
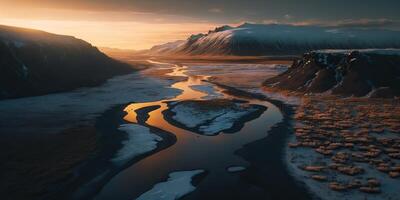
(140, 24)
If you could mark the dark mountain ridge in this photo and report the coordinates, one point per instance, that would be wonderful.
(35, 62)
(278, 39)
(368, 73)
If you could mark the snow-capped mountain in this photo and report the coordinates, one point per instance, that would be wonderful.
(279, 39)
(34, 62)
(367, 72)
(166, 48)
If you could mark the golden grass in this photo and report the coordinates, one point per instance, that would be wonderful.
(349, 132)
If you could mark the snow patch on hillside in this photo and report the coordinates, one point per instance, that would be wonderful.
(167, 47)
(281, 39)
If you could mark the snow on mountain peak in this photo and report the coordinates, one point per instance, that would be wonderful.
(283, 39)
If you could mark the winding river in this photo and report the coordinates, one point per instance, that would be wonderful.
(191, 150)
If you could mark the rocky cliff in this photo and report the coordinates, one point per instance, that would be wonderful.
(369, 73)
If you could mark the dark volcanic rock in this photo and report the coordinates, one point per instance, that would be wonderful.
(34, 63)
(371, 73)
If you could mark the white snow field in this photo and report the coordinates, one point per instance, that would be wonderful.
(140, 140)
(177, 185)
(210, 121)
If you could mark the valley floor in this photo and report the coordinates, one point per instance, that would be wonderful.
(347, 148)
(44, 139)
(120, 139)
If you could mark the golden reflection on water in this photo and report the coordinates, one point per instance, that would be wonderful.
(191, 150)
(156, 118)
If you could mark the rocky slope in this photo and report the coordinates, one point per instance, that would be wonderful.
(370, 73)
(166, 48)
(34, 62)
(278, 39)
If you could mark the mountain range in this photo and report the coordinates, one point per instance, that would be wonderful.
(276, 39)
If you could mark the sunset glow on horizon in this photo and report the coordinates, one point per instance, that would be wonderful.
(114, 29)
(123, 35)
(136, 24)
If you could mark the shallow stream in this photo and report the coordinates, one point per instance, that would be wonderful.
(191, 150)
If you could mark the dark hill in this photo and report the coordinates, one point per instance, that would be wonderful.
(34, 62)
(370, 73)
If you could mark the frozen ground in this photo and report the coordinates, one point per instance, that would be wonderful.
(177, 185)
(58, 111)
(210, 119)
(248, 77)
(48, 136)
(349, 133)
(209, 89)
(285, 98)
(300, 157)
(140, 140)
(238, 75)
(235, 168)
